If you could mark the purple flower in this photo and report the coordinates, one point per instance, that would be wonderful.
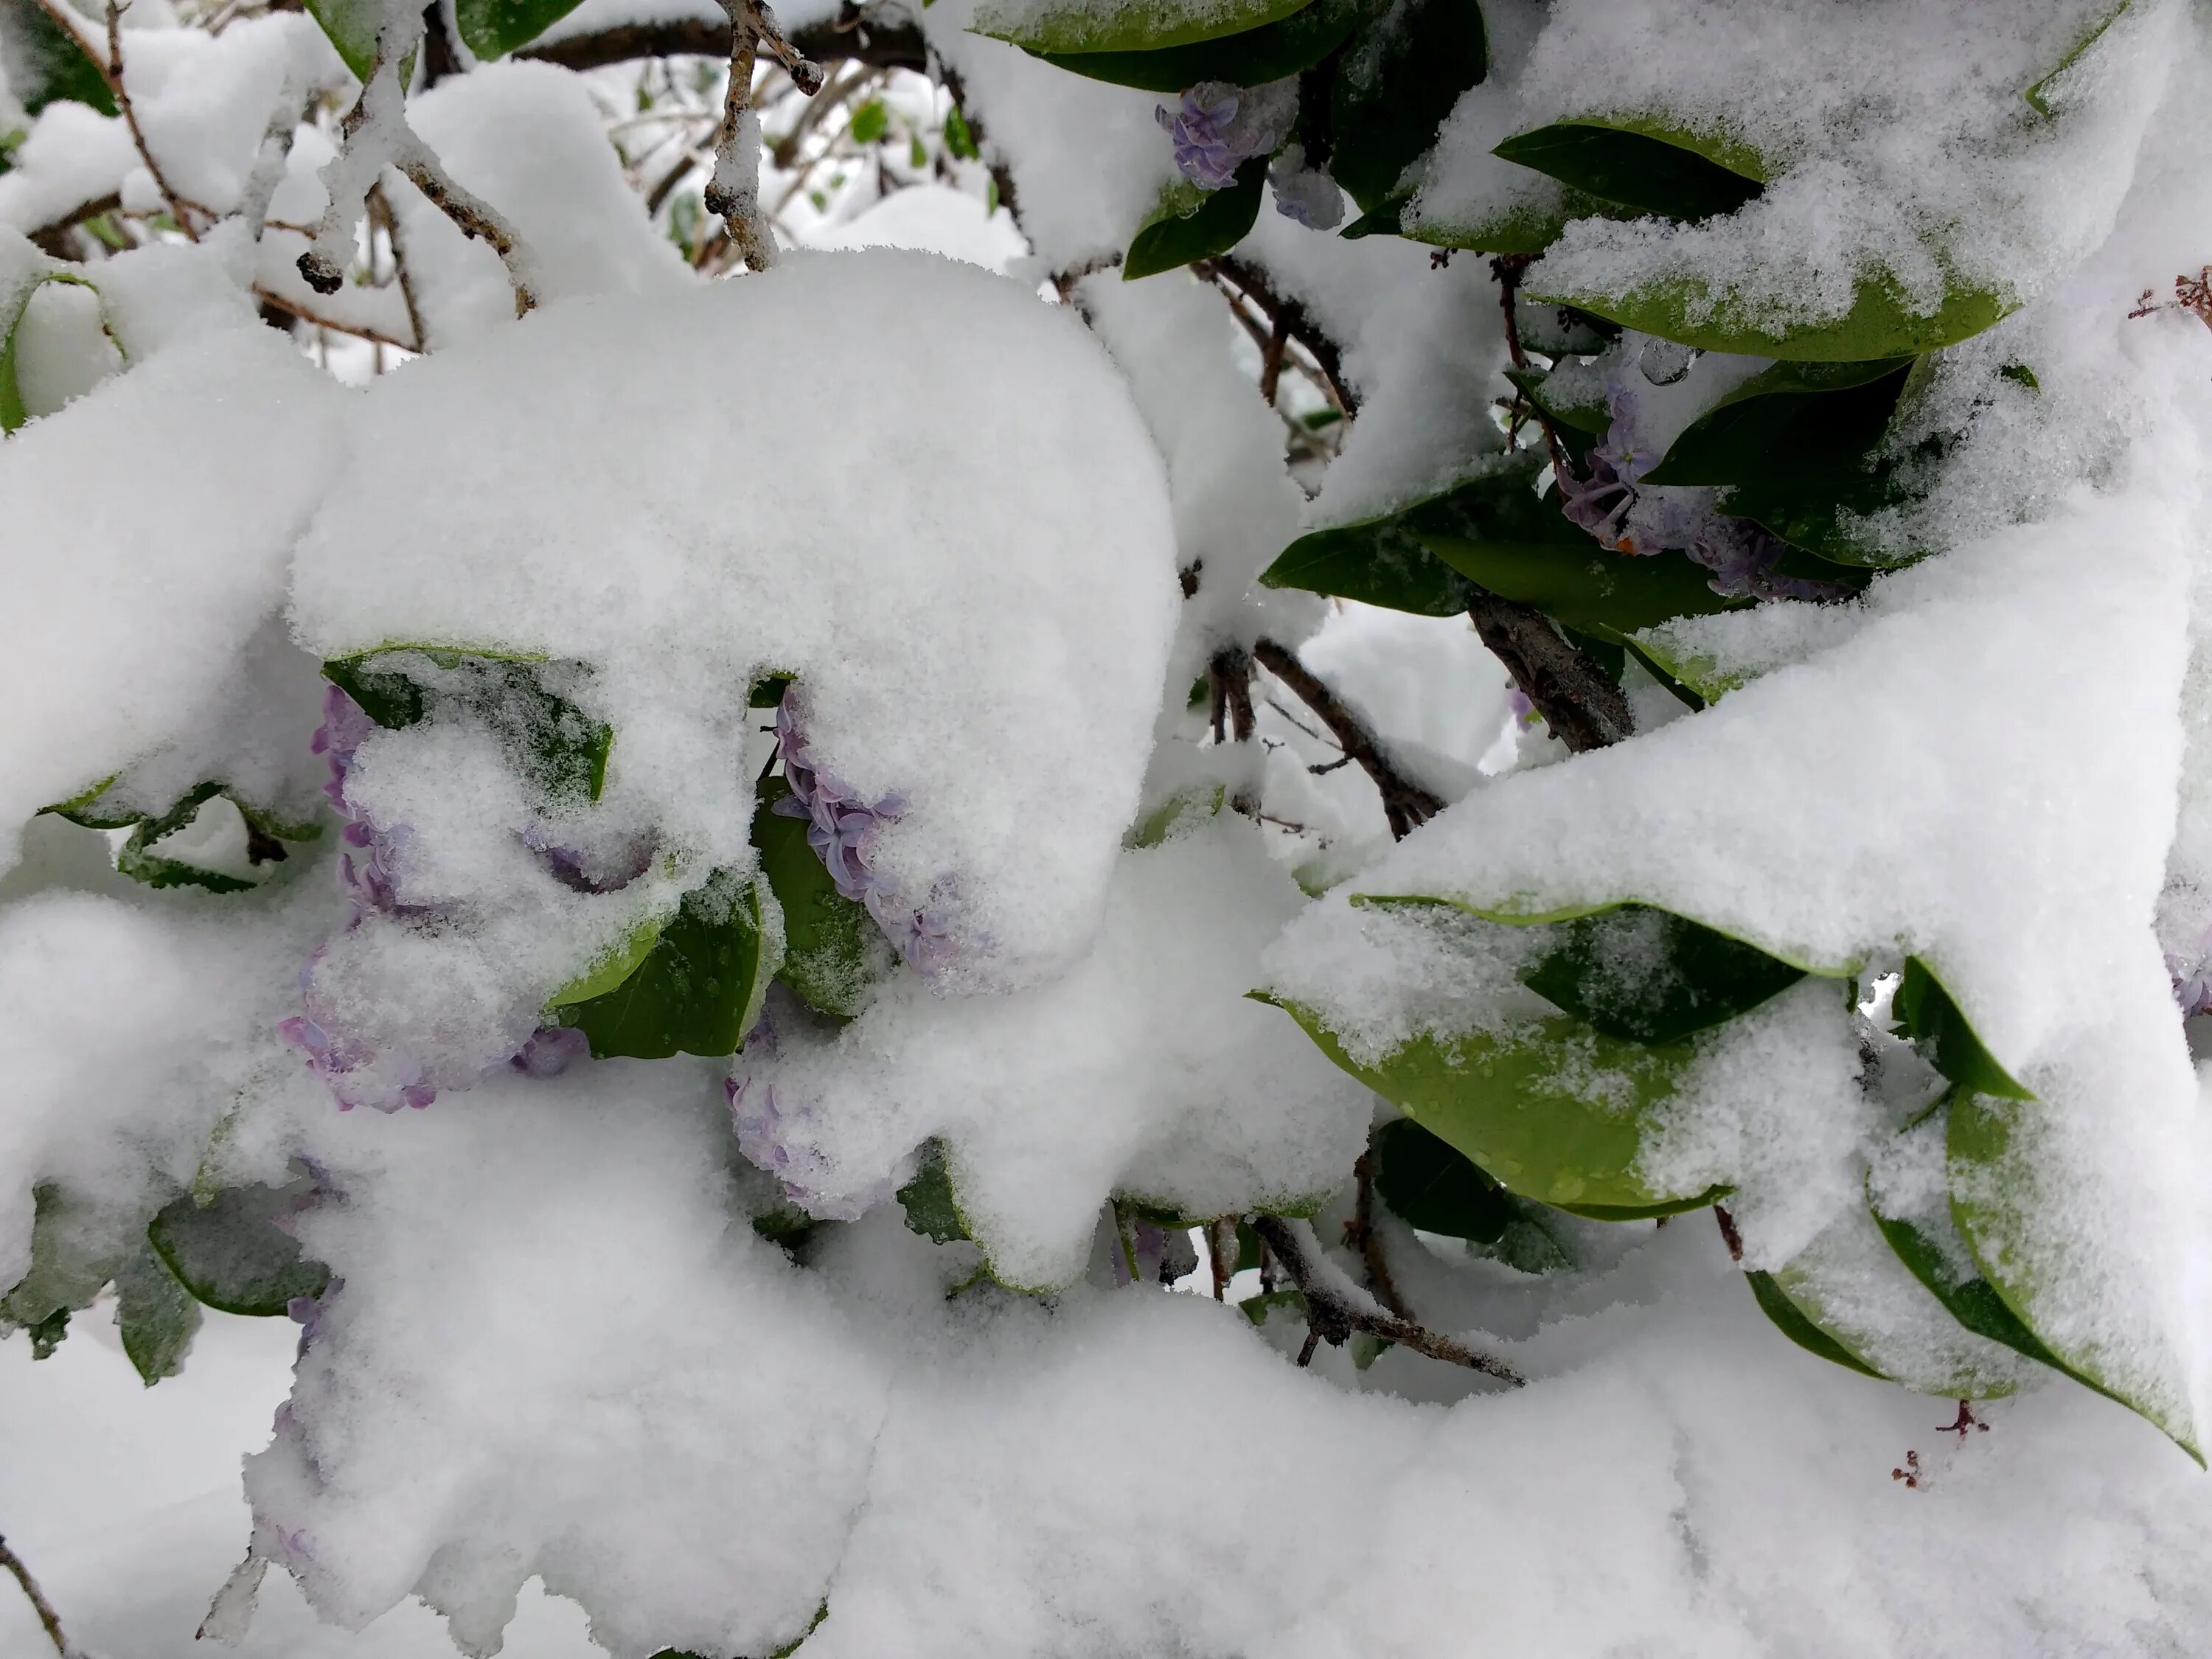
(1307, 195)
(346, 726)
(551, 1050)
(1220, 127)
(2183, 927)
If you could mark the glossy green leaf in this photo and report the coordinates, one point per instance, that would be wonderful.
(1290, 46)
(230, 1253)
(1582, 585)
(959, 136)
(351, 26)
(930, 1208)
(156, 1316)
(1648, 167)
(697, 990)
(1049, 27)
(1376, 562)
(1431, 1184)
(555, 746)
(1793, 1323)
(606, 972)
(2035, 94)
(1824, 517)
(834, 954)
(1395, 85)
(1878, 325)
(1648, 975)
(1811, 421)
(1994, 1183)
(494, 28)
(46, 64)
(1190, 223)
(1521, 1104)
(1927, 1013)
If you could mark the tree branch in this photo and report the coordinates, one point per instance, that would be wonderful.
(113, 69)
(39, 1605)
(1289, 315)
(1405, 803)
(271, 298)
(1335, 1307)
(898, 48)
(1360, 1233)
(1577, 699)
(733, 190)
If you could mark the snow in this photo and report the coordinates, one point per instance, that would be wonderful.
(933, 219)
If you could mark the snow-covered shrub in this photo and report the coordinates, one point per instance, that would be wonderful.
(856, 814)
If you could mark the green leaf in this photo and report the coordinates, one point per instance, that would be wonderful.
(833, 953)
(930, 1208)
(46, 64)
(1648, 975)
(13, 415)
(870, 122)
(1528, 222)
(1258, 1309)
(1933, 1253)
(1049, 27)
(698, 989)
(607, 972)
(494, 28)
(1800, 421)
(351, 26)
(1190, 223)
(1592, 418)
(1532, 1242)
(1429, 1183)
(156, 1316)
(230, 1254)
(554, 745)
(1792, 1322)
(1184, 810)
(1647, 166)
(1523, 1105)
(1994, 1186)
(1928, 1015)
(1376, 562)
(1395, 85)
(2034, 94)
(1288, 46)
(959, 137)
(1878, 325)
(74, 1252)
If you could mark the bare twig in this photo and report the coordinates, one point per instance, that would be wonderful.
(1335, 1307)
(1507, 269)
(1360, 1233)
(1729, 1236)
(1228, 675)
(2190, 293)
(113, 69)
(1292, 316)
(1405, 803)
(474, 217)
(291, 307)
(1577, 698)
(39, 1605)
(379, 207)
(896, 47)
(1271, 359)
(734, 191)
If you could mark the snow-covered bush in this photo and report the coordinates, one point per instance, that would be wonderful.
(725, 730)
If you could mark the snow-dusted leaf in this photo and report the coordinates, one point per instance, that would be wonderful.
(1118, 26)
(2035, 94)
(231, 1255)
(1648, 976)
(13, 415)
(1809, 421)
(1396, 83)
(352, 27)
(697, 990)
(1377, 561)
(833, 952)
(1791, 1320)
(1190, 223)
(1288, 46)
(74, 1252)
(1927, 1012)
(157, 1317)
(1649, 165)
(932, 1207)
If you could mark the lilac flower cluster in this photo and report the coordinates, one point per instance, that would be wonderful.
(1220, 127)
(842, 830)
(1629, 516)
(1306, 195)
(354, 1074)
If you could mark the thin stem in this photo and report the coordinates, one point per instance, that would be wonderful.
(474, 218)
(379, 208)
(113, 69)
(292, 307)
(1405, 803)
(47, 1617)
(1361, 1234)
(1508, 269)
(1292, 316)
(1335, 1307)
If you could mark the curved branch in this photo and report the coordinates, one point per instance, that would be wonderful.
(113, 70)
(1577, 699)
(1405, 803)
(1335, 1307)
(898, 48)
(1288, 315)
(47, 1618)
